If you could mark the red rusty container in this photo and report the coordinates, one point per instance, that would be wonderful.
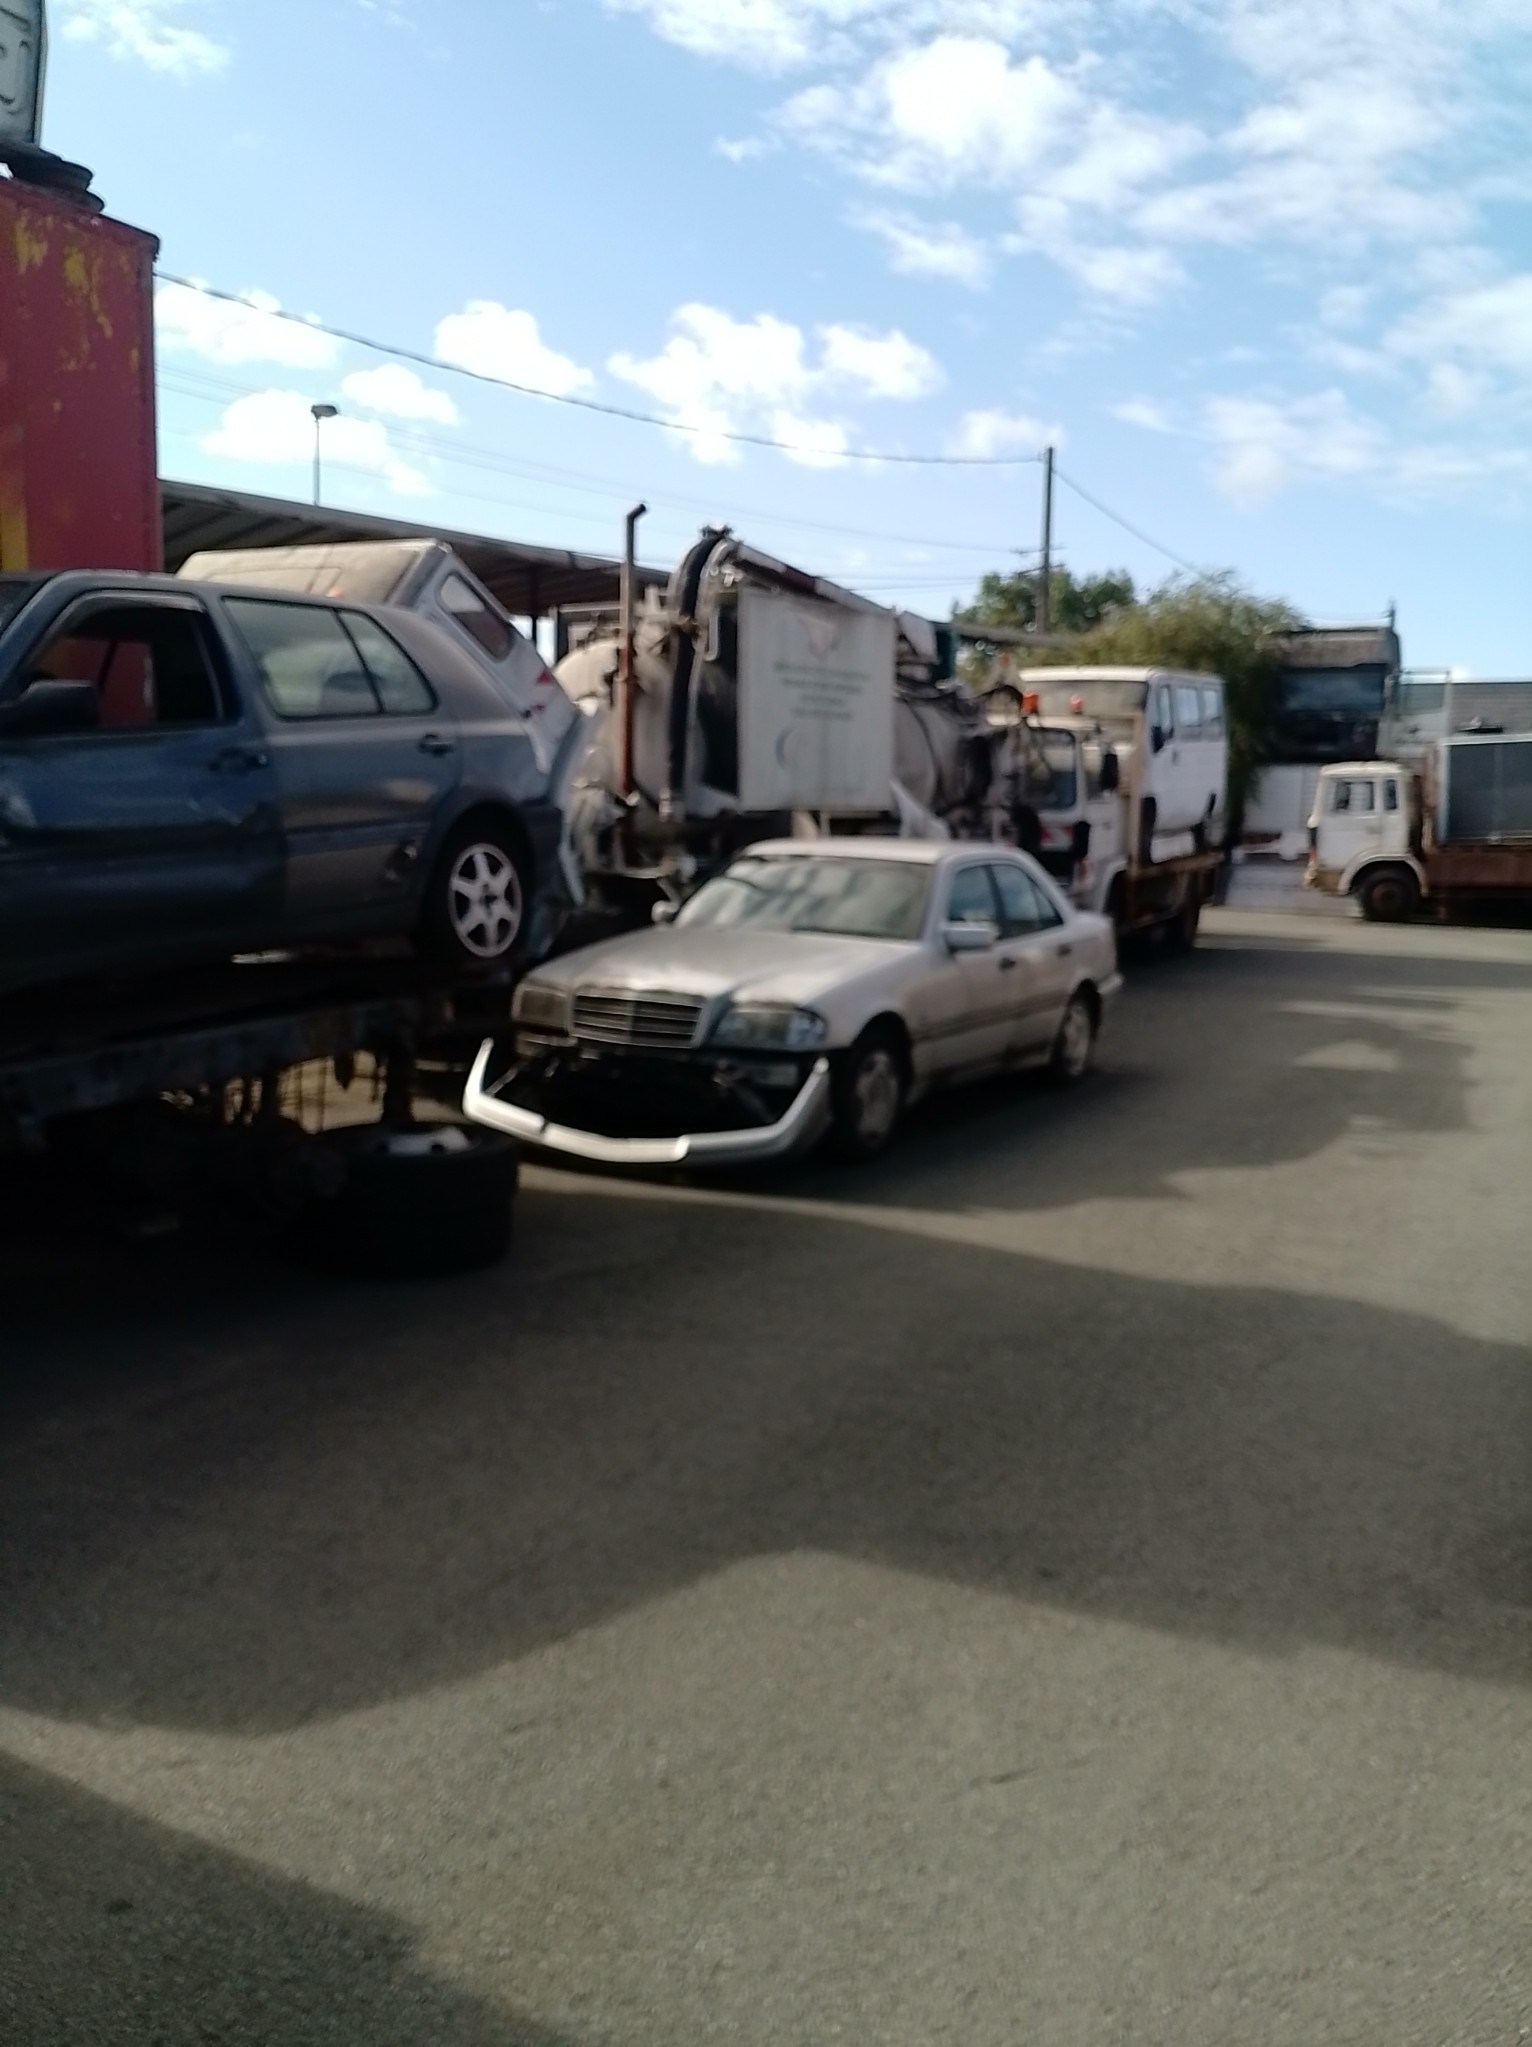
(79, 485)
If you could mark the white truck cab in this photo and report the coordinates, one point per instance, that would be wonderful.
(1364, 835)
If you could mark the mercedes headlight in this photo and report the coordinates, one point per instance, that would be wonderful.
(541, 1008)
(769, 1027)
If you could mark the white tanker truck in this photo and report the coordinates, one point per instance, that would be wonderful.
(751, 700)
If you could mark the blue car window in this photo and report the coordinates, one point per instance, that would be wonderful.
(402, 688)
(309, 664)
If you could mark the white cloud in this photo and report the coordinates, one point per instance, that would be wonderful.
(1145, 413)
(717, 375)
(762, 35)
(878, 365)
(246, 331)
(144, 32)
(984, 434)
(494, 341)
(1489, 326)
(745, 149)
(1345, 305)
(397, 391)
(814, 443)
(938, 249)
(276, 428)
(1264, 444)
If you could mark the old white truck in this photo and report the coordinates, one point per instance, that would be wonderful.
(1449, 830)
(1126, 770)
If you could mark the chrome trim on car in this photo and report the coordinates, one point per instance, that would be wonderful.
(636, 1019)
(804, 1122)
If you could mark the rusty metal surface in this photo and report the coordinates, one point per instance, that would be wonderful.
(78, 486)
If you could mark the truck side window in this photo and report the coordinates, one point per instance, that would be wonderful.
(1163, 716)
(1355, 797)
(482, 624)
(309, 663)
(1188, 711)
(1390, 795)
(152, 665)
(1212, 713)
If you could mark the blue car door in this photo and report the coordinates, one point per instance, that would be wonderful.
(366, 761)
(150, 832)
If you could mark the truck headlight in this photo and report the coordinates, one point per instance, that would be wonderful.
(541, 1008)
(769, 1027)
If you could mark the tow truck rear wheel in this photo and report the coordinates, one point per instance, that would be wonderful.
(1389, 895)
(1181, 931)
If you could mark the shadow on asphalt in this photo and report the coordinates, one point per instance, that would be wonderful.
(117, 1929)
(375, 1493)
(236, 1498)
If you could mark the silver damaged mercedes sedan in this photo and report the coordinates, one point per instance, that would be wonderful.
(814, 988)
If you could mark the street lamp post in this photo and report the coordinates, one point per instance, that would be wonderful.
(321, 414)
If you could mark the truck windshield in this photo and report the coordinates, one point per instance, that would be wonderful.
(1052, 775)
(850, 898)
(14, 592)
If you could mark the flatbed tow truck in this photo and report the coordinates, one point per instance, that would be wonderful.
(310, 1101)
(315, 1097)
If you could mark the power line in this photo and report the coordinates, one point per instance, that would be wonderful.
(210, 389)
(596, 405)
(1127, 526)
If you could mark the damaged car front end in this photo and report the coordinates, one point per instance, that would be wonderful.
(657, 1078)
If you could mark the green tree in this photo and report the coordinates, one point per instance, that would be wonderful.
(1076, 604)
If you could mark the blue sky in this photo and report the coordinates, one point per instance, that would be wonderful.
(1262, 268)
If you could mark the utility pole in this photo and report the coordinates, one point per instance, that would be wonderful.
(1045, 579)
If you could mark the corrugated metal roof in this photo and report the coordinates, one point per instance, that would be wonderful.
(529, 581)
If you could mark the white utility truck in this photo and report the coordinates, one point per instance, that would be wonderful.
(1127, 771)
(1452, 829)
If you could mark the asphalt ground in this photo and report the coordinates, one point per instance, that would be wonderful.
(1071, 1583)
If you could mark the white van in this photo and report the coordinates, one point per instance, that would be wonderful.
(1178, 724)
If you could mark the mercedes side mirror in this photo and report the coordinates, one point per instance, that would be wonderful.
(1111, 769)
(46, 709)
(1157, 737)
(969, 937)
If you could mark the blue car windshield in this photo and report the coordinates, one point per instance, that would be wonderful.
(847, 898)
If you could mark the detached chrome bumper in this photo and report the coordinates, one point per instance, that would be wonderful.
(803, 1124)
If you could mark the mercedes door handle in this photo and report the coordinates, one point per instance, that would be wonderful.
(435, 745)
(1008, 966)
(239, 760)
(1064, 951)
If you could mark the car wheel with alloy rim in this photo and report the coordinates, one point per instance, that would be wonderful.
(869, 1094)
(476, 903)
(1075, 1045)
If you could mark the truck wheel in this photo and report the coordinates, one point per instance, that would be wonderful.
(415, 1201)
(1148, 818)
(1389, 896)
(476, 900)
(1181, 931)
(1075, 1045)
(869, 1095)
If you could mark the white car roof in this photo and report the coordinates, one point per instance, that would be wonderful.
(913, 852)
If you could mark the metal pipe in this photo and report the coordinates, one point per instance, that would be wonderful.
(627, 668)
